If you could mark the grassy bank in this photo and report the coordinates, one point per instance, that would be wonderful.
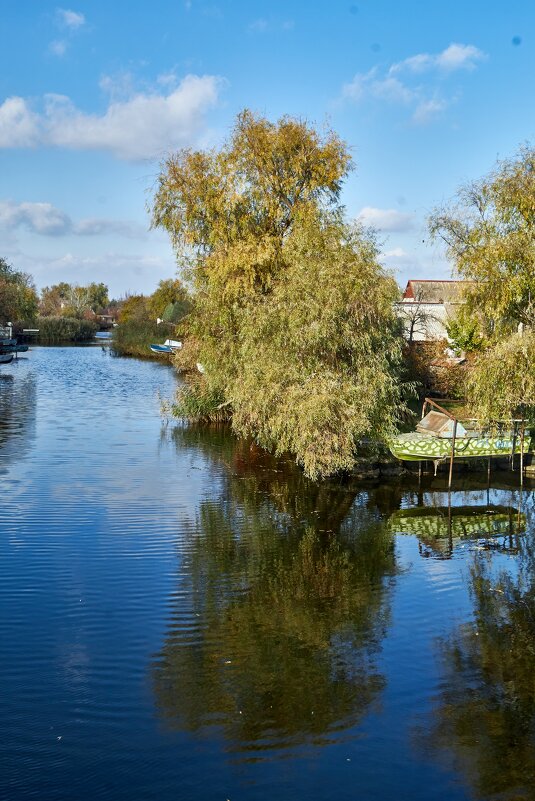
(134, 338)
(55, 330)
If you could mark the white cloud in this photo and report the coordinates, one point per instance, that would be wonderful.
(395, 253)
(458, 56)
(119, 271)
(70, 22)
(19, 126)
(70, 19)
(47, 220)
(95, 226)
(144, 126)
(259, 25)
(388, 220)
(396, 84)
(41, 218)
(262, 25)
(58, 48)
(427, 110)
(454, 57)
(372, 85)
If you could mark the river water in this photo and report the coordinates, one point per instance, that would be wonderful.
(184, 617)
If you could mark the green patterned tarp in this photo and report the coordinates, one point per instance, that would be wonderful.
(414, 447)
(459, 522)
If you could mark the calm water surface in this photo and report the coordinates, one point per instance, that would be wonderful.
(183, 617)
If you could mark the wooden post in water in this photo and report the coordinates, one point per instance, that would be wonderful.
(522, 453)
(452, 454)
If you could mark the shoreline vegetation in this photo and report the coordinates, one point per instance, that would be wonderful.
(287, 316)
(57, 330)
(134, 338)
(293, 315)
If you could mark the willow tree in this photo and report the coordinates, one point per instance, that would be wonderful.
(489, 235)
(292, 582)
(484, 716)
(293, 318)
(502, 382)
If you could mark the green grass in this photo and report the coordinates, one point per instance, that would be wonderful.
(134, 338)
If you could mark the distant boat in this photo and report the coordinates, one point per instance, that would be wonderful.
(9, 345)
(169, 346)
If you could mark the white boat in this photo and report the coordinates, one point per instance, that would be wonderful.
(169, 346)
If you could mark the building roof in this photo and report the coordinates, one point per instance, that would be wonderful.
(426, 291)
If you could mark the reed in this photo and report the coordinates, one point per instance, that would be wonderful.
(55, 330)
(133, 338)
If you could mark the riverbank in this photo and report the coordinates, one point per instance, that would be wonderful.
(134, 338)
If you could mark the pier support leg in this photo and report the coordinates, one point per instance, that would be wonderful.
(452, 454)
(522, 455)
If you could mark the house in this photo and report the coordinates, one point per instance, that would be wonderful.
(426, 306)
(108, 317)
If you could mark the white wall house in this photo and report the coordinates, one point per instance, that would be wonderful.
(426, 307)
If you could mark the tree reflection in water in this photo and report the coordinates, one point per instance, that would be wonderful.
(485, 718)
(287, 583)
(17, 414)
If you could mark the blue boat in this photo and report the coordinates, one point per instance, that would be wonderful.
(169, 346)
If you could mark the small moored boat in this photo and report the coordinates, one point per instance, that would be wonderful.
(169, 346)
(440, 435)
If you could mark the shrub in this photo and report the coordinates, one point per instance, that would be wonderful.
(53, 330)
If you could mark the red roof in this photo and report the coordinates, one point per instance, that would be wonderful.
(429, 291)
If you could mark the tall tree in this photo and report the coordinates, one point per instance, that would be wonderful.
(18, 298)
(73, 300)
(489, 234)
(289, 300)
(169, 293)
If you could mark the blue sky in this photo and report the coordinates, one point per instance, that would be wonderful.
(428, 95)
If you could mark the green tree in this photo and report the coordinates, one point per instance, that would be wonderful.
(502, 382)
(169, 301)
(73, 300)
(484, 721)
(489, 234)
(98, 296)
(292, 313)
(18, 298)
(53, 299)
(134, 309)
(464, 332)
(289, 588)
(319, 355)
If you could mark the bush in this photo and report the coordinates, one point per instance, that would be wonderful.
(53, 330)
(196, 402)
(502, 383)
(134, 338)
